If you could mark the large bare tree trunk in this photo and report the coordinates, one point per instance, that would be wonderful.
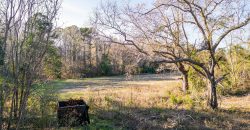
(185, 83)
(184, 74)
(212, 95)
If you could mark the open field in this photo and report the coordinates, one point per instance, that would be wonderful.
(78, 87)
(151, 102)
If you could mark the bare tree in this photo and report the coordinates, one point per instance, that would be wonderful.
(178, 31)
(27, 33)
(144, 32)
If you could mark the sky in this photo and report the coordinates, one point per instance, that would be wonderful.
(78, 12)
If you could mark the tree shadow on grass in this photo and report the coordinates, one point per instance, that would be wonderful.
(136, 118)
(117, 117)
(240, 92)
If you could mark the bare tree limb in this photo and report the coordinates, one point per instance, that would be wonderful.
(242, 24)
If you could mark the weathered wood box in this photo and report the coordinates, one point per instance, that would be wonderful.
(72, 113)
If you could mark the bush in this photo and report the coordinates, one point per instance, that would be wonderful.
(235, 62)
(180, 99)
(148, 69)
(176, 100)
(196, 81)
(146, 66)
(41, 107)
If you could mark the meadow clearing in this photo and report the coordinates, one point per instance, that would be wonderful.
(146, 102)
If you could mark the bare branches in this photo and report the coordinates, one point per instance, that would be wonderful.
(166, 5)
(191, 11)
(221, 78)
(213, 8)
(240, 25)
(180, 32)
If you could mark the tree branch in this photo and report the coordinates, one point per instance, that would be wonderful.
(184, 10)
(244, 23)
(221, 78)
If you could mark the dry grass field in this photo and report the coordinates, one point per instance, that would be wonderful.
(152, 102)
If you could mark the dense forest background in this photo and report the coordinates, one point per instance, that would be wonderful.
(80, 52)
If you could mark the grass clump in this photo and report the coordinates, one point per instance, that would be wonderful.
(185, 100)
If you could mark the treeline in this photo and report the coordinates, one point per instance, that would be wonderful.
(80, 52)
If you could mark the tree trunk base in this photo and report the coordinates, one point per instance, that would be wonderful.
(212, 96)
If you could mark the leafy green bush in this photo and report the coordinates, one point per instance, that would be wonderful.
(185, 100)
(41, 107)
(175, 100)
(196, 81)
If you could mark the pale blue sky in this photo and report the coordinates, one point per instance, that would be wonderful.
(77, 12)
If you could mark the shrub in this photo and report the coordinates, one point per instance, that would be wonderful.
(196, 81)
(176, 100)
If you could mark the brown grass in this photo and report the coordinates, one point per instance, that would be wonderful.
(155, 104)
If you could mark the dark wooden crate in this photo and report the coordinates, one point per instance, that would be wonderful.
(72, 113)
